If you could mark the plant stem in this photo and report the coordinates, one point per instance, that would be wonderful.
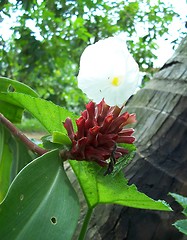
(85, 224)
(17, 133)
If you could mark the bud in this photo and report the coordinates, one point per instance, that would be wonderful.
(99, 129)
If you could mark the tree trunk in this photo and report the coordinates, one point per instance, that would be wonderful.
(160, 165)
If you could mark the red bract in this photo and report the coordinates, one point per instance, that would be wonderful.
(99, 129)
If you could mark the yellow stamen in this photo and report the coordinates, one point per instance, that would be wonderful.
(115, 81)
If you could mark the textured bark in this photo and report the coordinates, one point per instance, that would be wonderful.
(160, 165)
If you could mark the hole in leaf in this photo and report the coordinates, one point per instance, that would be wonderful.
(54, 220)
(21, 197)
(11, 89)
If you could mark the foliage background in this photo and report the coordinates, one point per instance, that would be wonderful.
(46, 55)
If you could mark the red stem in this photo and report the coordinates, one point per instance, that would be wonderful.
(17, 133)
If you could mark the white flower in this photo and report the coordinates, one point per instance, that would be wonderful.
(107, 70)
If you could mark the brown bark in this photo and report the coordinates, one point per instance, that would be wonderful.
(160, 165)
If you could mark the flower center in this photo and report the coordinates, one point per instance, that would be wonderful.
(115, 81)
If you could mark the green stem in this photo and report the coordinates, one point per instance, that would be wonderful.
(85, 224)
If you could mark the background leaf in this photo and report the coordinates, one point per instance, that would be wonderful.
(181, 225)
(67, 27)
(41, 203)
(180, 199)
(98, 188)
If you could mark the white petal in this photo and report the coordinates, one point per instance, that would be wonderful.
(103, 61)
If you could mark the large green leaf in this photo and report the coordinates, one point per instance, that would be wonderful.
(13, 157)
(41, 203)
(11, 111)
(5, 162)
(98, 188)
(50, 115)
(21, 156)
(9, 107)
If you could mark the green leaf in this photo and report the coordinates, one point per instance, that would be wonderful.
(13, 157)
(181, 200)
(61, 138)
(181, 225)
(98, 188)
(49, 144)
(21, 156)
(5, 162)
(124, 160)
(49, 115)
(9, 85)
(9, 107)
(11, 112)
(41, 203)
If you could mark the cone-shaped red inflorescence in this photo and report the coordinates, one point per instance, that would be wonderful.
(99, 129)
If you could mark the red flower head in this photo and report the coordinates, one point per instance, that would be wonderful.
(99, 129)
